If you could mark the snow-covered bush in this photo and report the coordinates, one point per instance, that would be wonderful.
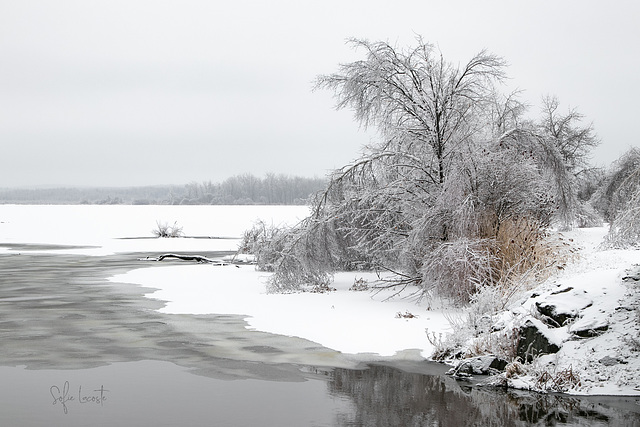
(494, 216)
(624, 231)
(165, 230)
(299, 256)
(264, 242)
(304, 261)
(617, 187)
(587, 216)
(620, 201)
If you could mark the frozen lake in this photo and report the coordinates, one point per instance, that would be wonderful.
(81, 349)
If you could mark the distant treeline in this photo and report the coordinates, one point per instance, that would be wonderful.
(243, 189)
(247, 189)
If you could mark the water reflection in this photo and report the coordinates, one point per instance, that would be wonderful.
(384, 396)
(63, 321)
(60, 312)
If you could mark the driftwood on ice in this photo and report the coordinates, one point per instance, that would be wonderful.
(197, 258)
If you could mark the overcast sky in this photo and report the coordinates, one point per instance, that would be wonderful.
(138, 92)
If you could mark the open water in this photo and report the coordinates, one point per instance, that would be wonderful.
(78, 350)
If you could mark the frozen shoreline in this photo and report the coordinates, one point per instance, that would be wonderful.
(365, 325)
(608, 361)
(361, 325)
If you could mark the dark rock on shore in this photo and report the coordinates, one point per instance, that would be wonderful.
(534, 341)
(587, 328)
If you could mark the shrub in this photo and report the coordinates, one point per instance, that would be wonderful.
(621, 202)
(625, 228)
(556, 381)
(457, 269)
(285, 251)
(495, 219)
(587, 216)
(166, 230)
(618, 188)
(265, 242)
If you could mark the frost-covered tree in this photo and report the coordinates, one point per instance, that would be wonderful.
(454, 197)
(610, 198)
(570, 144)
(573, 141)
(619, 200)
(421, 104)
(624, 231)
(546, 155)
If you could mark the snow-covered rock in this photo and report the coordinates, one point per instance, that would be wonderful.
(536, 339)
(564, 305)
(481, 365)
(589, 326)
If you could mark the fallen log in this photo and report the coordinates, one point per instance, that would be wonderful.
(198, 258)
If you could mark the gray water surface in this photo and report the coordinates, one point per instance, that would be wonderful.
(77, 349)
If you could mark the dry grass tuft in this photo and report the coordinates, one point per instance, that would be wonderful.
(515, 370)
(560, 381)
(509, 257)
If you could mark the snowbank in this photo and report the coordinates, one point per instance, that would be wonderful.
(600, 331)
(353, 322)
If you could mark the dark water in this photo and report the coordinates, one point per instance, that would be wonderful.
(76, 350)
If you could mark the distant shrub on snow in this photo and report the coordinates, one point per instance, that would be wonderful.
(166, 230)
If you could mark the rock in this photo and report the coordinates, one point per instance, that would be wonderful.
(589, 327)
(561, 307)
(535, 340)
(610, 361)
(481, 365)
(551, 311)
(632, 276)
(563, 290)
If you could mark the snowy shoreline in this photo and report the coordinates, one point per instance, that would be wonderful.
(367, 326)
(600, 343)
(370, 326)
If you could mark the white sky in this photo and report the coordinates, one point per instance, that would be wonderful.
(136, 92)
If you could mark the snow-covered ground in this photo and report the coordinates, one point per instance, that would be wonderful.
(592, 288)
(361, 323)
(112, 229)
(354, 322)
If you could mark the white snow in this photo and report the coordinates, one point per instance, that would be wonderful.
(568, 303)
(348, 321)
(358, 323)
(112, 229)
(595, 276)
